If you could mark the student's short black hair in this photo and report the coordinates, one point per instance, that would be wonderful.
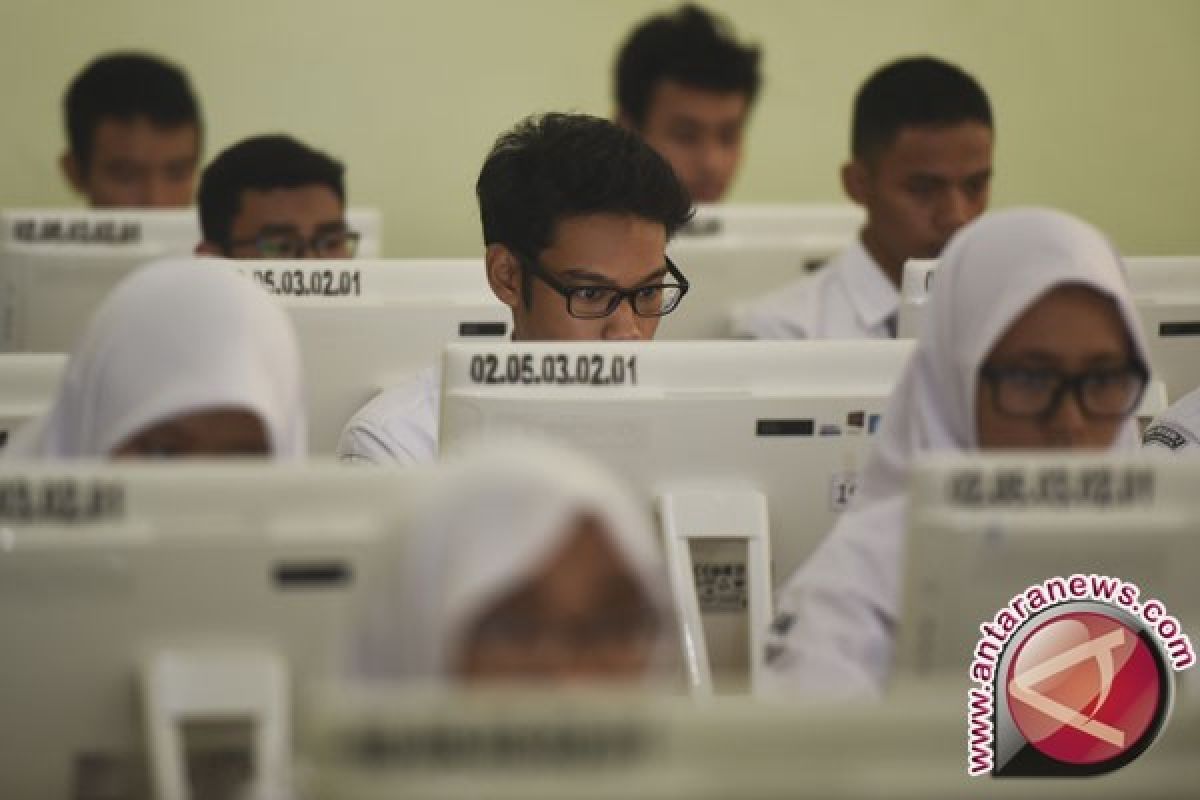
(126, 86)
(261, 163)
(914, 92)
(689, 46)
(555, 166)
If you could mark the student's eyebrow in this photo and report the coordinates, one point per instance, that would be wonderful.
(332, 225)
(982, 175)
(587, 275)
(278, 227)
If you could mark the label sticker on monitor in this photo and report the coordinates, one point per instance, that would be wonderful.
(528, 369)
(60, 500)
(841, 490)
(720, 586)
(76, 231)
(325, 282)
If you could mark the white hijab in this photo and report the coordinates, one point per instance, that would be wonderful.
(177, 336)
(844, 600)
(500, 510)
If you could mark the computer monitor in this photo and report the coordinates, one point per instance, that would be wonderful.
(365, 325)
(749, 221)
(138, 600)
(28, 382)
(982, 529)
(1167, 293)
(733, 254)
(720, 436)
(56, 265)
(371, 743)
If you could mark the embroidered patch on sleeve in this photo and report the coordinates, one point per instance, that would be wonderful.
(1164, 435)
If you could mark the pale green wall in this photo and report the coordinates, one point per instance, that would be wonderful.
(1098, 101)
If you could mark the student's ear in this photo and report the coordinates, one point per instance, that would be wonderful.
(71, 171)
(855, 180)
(207, 248)
(504, 275)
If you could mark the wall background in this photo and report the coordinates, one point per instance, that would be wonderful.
(1097, 101)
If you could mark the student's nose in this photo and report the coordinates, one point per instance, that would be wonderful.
(157, 192)
(1069, 421)
(956, 211)
(622, 324)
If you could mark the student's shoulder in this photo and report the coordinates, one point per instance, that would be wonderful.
(397, 425)
(783, 313)
(1167, 434)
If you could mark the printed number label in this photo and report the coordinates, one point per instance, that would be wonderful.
(60, 501)
(841, 490)
(310, 283)
(559, 370)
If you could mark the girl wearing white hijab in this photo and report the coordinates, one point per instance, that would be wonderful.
(526, 562)
(184, 357)
(1031, 341)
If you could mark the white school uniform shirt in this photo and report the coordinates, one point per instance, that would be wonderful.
(1178, 428)
(502, 507)
(837, 615)
(398, 426)
(849, 298)
(175, 337)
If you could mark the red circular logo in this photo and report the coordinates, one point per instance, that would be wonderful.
(1084, 688)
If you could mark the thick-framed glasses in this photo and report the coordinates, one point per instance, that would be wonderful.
(587, 301)
(1101, 393)
(329, 244)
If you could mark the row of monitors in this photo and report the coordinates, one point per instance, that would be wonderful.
(55, 266)
(110, 618)
(792, 419)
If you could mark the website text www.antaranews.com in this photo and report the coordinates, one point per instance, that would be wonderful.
(1036, 599)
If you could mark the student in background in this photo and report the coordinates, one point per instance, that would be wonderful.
(576, 216)
(687, 86)
(274, 197)
(921, 166)
(1032, 342)
(527, 562)
(133, 133)
(180, 360)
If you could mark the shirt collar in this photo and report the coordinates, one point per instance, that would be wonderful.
(872, 295)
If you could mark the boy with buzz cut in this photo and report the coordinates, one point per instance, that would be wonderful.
(921, 166)
(133, 133)
(576, 215)
(687, 86)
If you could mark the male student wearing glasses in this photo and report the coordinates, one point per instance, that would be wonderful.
(274, 197)
(576, 214)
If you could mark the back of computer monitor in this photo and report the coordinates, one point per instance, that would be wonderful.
(368, 222)
(791, 419)
(205, 565)
(750, 221)
(28, 383)
(370, 743)
(726, 274)
(365, 325)
(1167, 291)
(983, 529)
(56, 266)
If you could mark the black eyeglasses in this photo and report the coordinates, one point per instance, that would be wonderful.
(289, 244)
(595, 302)
(1101, 393)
